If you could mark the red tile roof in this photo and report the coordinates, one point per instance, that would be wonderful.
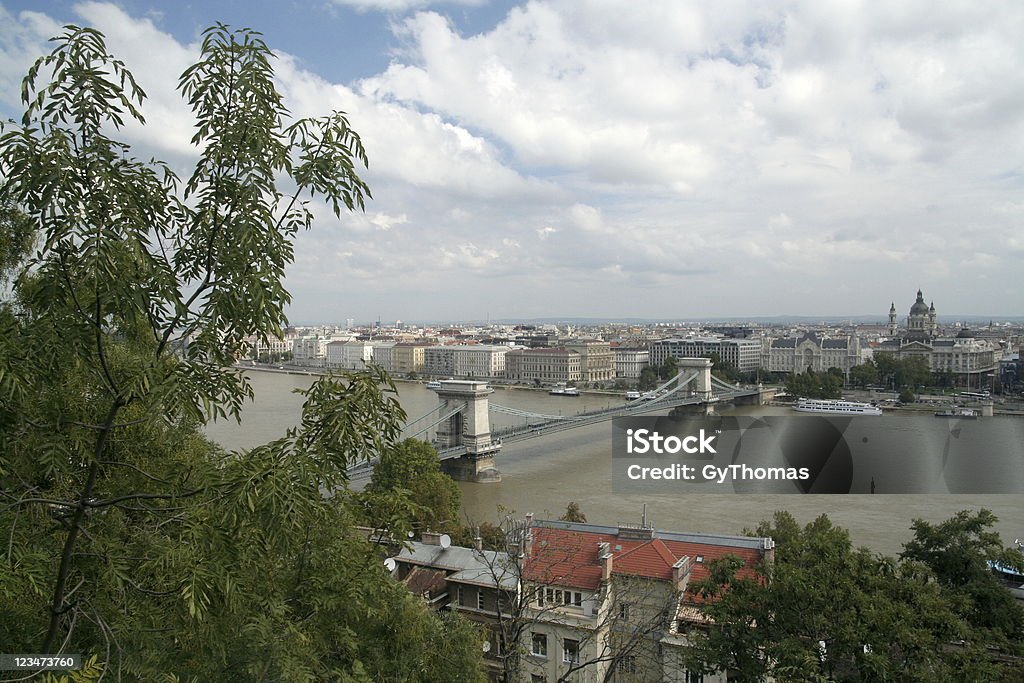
(567, 557)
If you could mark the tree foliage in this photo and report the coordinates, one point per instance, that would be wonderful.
(409, 492)
(826, 611)
(811, 384)
(128, 535)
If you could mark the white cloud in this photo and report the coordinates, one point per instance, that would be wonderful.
(749, 148)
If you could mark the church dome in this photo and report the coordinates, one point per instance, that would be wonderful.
(919, 307)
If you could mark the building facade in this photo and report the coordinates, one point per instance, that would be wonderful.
(972, 361)
(797, 354)
(348, 355)
(742, 354)
(630, 362)
(543, 366)
(597, 360)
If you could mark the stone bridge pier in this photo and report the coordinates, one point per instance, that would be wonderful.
(469, 429)
(701, 386)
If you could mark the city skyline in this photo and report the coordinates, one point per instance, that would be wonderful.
(676, 161)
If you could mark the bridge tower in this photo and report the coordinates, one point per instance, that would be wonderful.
(701, 386)
(470, 428)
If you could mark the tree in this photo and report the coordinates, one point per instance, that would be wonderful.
(409, 490)
(573, 513)
(824, 611)
(959, 551)
(128, 533)
(865, 374)
(648, 379)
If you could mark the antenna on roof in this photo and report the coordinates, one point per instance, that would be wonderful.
(445, 540)
(390, 564)
(643, 520)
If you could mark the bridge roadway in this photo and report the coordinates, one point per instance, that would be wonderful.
(517, 433)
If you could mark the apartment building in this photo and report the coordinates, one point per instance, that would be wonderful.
(630, 362)
(545, 366)
(742, 354)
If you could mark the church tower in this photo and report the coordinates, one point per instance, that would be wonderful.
(893, 329)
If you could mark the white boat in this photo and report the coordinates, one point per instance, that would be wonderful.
(562, 390)
(1011, 579)
(434, 386)
(834, 407)
(632, 395)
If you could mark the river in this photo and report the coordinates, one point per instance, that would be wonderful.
(542, 475)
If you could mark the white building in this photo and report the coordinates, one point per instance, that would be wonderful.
(348, 355)
(382, 354)
(629, 363)
(742, 354)
(479, 361)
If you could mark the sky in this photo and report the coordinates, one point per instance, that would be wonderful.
(665, 160)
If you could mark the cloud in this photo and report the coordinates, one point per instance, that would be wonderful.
(637, 160)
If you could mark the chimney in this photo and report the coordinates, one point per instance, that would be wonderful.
(681, 573)
(478, 542)
(768, 551)
(604, 555)
(430, 538)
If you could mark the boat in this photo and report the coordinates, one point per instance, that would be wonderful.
(648, 396)
(962, 413)
(434, 386)
(1010, 578)
(835, 407)
(632, 395)
(562, 390)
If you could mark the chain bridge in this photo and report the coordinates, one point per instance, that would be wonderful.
(467, 446)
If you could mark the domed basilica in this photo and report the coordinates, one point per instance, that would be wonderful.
(965, 357)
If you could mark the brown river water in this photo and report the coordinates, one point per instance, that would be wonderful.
(542, 475)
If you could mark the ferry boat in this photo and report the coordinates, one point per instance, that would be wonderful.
(564, 391)
(632, 395)
(962, 413)
(1010, 578)
(834, 407)
(434, 385)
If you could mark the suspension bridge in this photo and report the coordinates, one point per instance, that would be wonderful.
(467, 446)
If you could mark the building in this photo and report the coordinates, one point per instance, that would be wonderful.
(972, 361)
(481, 585)
(348, 355)
(597, 360)
(630, 362)
(479, 361)
(742, 354)
(381, 355)
(582, 601)
(543, 366)
(408, 358)
(612, 601)
(797, 354)
(439, 360)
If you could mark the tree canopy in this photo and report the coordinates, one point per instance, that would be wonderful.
(823, 610)
(129, 536)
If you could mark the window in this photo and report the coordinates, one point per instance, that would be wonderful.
(537, 678)
(480, 598)
(571, 651)
(540, 645)
(692, 677)
(460, 596)
(627, 664)
(577, 599)
(623, 610)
